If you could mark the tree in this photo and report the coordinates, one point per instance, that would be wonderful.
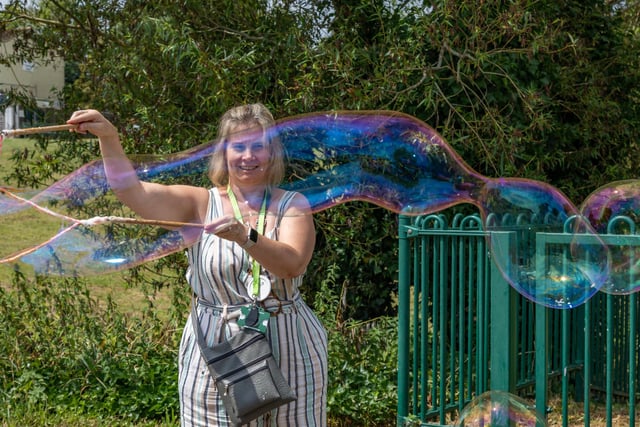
(542, 90)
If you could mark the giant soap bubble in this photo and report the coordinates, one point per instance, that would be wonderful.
(499, 409)
(614, 212)
(387, 158)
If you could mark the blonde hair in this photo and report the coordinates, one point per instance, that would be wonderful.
(246, 115)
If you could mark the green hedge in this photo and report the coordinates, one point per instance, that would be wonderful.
(72, 360)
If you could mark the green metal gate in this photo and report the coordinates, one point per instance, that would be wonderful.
(463, 330)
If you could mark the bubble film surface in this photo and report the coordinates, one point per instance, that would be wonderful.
(499, 409)
(614, 212)
(539, 240)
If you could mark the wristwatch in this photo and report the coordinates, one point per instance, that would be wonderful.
(252, 238)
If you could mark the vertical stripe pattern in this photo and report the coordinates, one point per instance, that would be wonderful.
(216, 273)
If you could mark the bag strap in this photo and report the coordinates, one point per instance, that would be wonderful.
(225, 317)
(205, 352)
(196, 324)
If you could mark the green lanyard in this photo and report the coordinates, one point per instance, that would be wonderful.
(255, 268)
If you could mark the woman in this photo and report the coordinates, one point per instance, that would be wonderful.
(247, 218)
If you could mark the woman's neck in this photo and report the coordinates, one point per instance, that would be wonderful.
(250, 195)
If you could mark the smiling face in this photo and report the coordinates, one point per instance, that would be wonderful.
(248, 154)
(257, 123)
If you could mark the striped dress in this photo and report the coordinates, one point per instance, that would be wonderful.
(216, 271)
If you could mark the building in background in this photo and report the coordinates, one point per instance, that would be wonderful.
(40, 80)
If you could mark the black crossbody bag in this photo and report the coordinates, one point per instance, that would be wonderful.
(245, 373)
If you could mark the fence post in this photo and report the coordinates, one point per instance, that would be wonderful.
(542, 359)
(541, 338)
(633, 355)
(404, 301)
(503, 354)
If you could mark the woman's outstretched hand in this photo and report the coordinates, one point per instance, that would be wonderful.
(92, 121)
(227, 227)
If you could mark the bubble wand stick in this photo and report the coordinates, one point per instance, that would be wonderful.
(11, 133)
(85, 222)
(101, 219)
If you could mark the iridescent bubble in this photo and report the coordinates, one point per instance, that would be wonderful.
(614, 212)
(499, 409)
(548, 252)
(84, 250)
(390, 159)
(400, 163)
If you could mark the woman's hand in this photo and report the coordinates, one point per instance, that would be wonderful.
(94, 122)
(228, 228)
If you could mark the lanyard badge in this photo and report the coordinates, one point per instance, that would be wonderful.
(258, 285)
(254, 317)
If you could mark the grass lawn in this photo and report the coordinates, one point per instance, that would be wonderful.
(27, 228)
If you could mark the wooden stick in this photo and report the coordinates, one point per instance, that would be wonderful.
(120, 220)
(101, 219)
(30, 131)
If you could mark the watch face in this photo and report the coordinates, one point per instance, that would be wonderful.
(253, 235)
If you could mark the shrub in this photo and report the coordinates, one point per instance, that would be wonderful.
(64, 356)
(362, 361)
(63, 351)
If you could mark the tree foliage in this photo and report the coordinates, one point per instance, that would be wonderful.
(543, 90)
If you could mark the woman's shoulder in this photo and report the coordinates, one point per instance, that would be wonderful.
(281, 194)
(215, 192)
(287, 199)
(214, 197)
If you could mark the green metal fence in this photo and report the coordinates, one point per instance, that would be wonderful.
(463, 330)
